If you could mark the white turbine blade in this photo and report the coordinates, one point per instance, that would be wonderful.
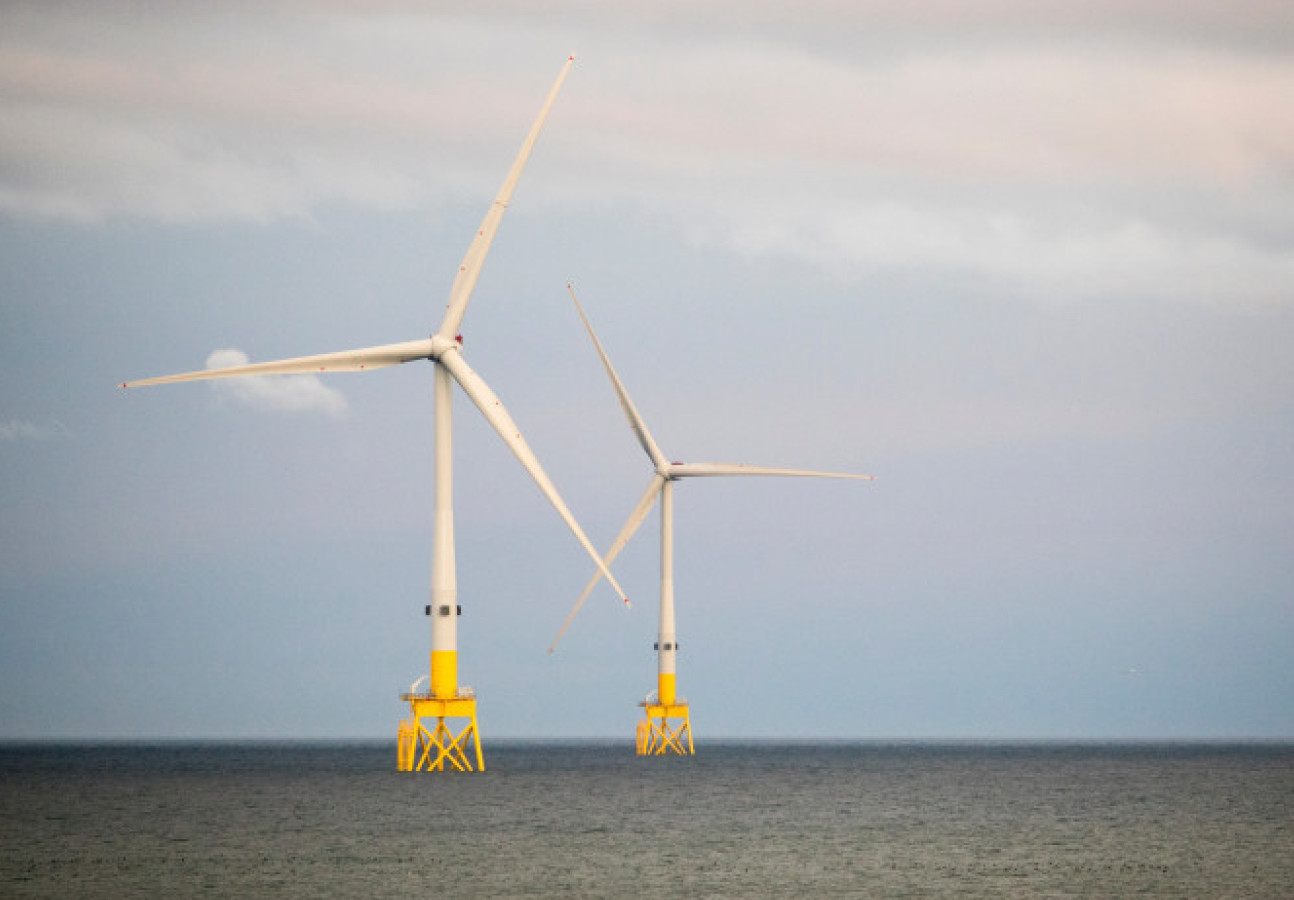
(470, 269)
(344, 361)
(699, 470)
(636, 518)
(492, 408)
(631, 412)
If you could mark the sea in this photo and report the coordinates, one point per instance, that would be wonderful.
(591, 819)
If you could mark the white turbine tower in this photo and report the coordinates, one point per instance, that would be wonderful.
(657, 733)
(445, 699)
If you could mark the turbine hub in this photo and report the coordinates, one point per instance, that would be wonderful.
(440, 345)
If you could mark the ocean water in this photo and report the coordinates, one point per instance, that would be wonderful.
(884, 820)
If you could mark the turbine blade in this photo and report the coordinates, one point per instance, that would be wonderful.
(636, 518)
(631, 412)
(492, 408)
(344, 361)
(470, 269)
(704, 470)
(685, 470)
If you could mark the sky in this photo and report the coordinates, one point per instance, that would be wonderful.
(1029, 264)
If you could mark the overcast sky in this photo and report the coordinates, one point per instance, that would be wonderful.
(1029, 263)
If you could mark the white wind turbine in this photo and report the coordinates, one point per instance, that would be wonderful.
(444, 349)
(656, 734)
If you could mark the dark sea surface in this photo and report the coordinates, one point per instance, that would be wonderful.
(759, 820)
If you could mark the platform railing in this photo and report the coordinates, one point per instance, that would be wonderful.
(463, 693)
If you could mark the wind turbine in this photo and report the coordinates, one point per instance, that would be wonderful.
(657, 732)
(445, 699)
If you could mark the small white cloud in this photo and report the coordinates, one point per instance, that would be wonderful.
(292, 393)
(22, 430)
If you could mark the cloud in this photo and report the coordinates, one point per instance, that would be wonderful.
(22, 430)
(296, 113)
(275, 393)
(1070, 152)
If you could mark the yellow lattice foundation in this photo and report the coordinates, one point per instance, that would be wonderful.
(424, 747)
(665, 729)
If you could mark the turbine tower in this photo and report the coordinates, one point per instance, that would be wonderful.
(666, 726)
(422, 747)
